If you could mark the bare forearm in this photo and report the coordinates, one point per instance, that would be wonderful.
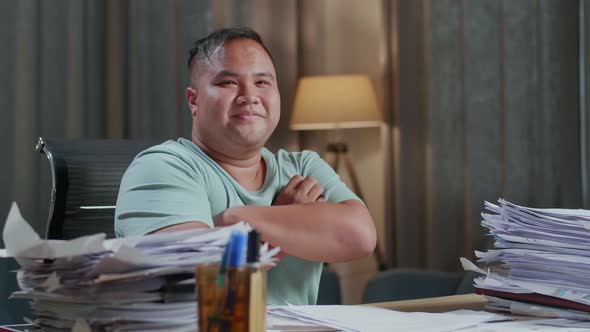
(324, 232)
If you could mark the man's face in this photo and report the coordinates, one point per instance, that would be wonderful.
(236, 104)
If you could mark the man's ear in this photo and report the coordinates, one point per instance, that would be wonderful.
(191, 99)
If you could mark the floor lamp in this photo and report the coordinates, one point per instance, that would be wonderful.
(334, 103)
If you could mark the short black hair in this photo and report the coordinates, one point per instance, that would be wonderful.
(204, 47)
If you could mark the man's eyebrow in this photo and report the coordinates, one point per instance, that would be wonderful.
(265, 74)
(226, 73)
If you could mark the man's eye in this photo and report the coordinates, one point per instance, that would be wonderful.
(226, 83)
(263, 83)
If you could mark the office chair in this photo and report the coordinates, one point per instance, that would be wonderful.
(330, 290)
(85, 176)
(408, 284)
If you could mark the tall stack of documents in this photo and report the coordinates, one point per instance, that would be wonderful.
(129, 284)
(540, 261)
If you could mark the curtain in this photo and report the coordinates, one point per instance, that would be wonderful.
(85, 69)
(487, 106)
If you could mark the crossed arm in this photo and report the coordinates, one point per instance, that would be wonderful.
(323, 232)
(305, 226)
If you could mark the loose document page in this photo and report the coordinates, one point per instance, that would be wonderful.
(367, 318)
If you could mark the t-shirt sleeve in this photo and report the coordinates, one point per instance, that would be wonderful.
(334, 189)
(160, 189)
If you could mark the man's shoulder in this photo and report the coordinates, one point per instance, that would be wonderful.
(171, 149)
(181, 155)
(296, 156)
(296, 162)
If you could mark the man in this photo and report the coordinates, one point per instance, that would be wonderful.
(225, 175)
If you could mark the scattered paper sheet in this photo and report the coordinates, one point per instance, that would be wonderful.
(367, 318)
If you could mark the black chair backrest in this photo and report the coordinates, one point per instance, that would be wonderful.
(86, 175)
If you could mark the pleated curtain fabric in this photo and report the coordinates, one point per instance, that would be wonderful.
(85, 69)
(488, 107)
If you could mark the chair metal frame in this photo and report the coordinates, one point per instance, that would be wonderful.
(41, 148)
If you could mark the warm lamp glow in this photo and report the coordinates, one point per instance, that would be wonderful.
(333, 102)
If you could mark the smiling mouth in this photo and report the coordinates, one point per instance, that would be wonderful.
(247, 116)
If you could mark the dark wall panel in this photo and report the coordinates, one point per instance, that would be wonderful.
(447, 134)
(548, 128)
(8, 40)
(569, 161)
(413, 101)
(520, 83)
(32, 107)
(483, 105)
(75, 53)
(52, 37)
(93, 68)
(151, 69)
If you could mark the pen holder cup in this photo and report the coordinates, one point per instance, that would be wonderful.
(235, 301)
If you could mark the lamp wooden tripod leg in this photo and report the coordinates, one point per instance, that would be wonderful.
(340, 151)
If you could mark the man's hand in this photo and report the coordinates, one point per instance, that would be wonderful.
(300, 190)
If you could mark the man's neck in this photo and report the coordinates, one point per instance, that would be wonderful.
(248, 169)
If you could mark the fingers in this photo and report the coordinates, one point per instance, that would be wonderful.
(288, 195)
(311, 189)
(300, 190)
(294, 182)
(306, 185)
(315, 192)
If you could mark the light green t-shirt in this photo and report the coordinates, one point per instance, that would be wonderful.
(176, 182)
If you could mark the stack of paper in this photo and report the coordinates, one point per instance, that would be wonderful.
(540, 261)
(129, 284)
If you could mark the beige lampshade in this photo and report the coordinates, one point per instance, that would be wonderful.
(336, 101)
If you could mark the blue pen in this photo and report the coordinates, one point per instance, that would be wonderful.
(237, 257)
(224, 262)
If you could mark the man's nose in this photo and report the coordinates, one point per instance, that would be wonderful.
(248, 96)
(248, 99)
